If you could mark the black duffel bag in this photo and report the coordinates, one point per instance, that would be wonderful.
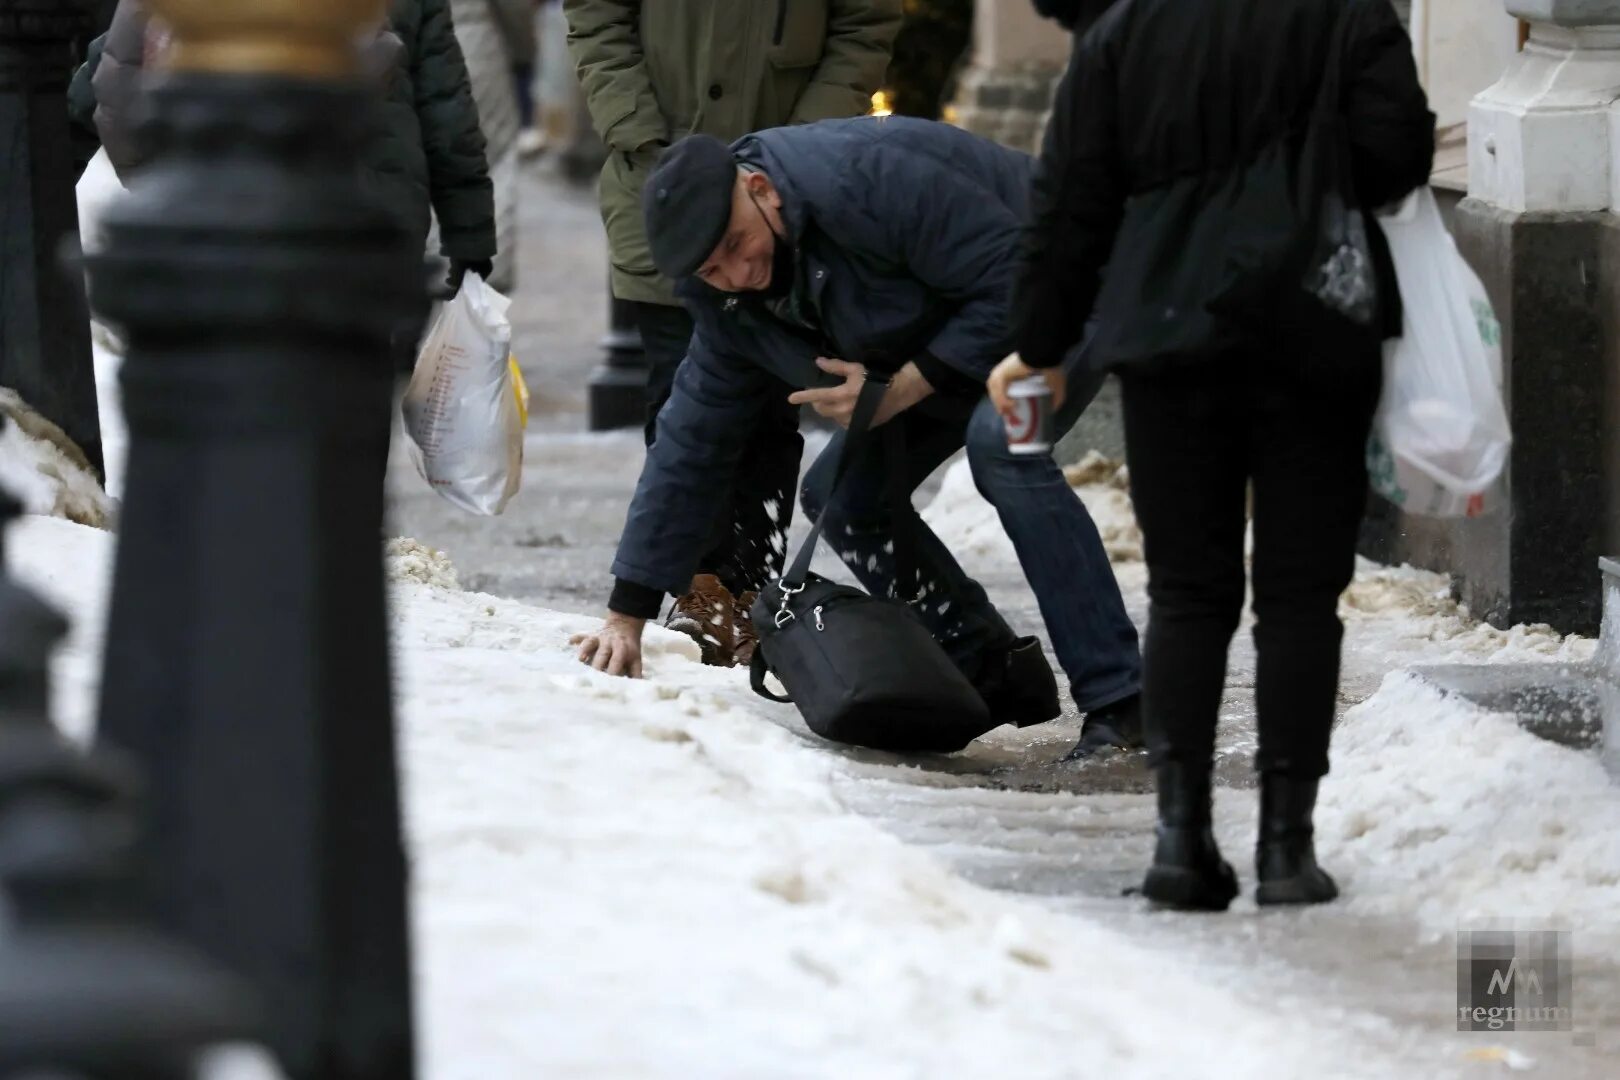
(863, 670)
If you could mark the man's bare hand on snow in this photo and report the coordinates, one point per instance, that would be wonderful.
(837, 403)
(615, 648)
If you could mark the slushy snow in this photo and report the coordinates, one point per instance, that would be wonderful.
(970, 526)
(46, 471)
(655, 878)
(650, 879)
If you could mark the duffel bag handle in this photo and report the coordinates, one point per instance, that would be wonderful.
(757, 671)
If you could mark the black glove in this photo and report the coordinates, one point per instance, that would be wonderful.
(459, 268)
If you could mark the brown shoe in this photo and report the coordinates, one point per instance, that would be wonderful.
(743, 636)
(707, 615)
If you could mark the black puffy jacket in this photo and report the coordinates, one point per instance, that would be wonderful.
(1162, 91)
(427, 149)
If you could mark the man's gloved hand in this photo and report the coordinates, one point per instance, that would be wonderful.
(458, 270)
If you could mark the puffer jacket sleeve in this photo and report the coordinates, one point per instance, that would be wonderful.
(702, 431)
(458, 171)
(117, 85)
(1391, 127)
(950, 233)
(860, 42)
(604, 37)
(1076, 203)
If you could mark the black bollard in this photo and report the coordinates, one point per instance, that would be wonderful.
(86, 989)
(44, 323)
(247, 646)
(618, 389)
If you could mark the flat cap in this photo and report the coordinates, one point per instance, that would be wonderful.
(687, 204)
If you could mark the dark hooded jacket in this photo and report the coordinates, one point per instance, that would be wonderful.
(427, 149)
(1168, 99)
(906, 235)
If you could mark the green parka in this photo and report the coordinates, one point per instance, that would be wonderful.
(656, 71)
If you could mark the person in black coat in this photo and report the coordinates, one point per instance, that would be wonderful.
(1157, 142)
(425, 154)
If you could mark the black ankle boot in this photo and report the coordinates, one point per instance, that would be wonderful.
(1019, 686)
(1285, 858)
(1187, 872)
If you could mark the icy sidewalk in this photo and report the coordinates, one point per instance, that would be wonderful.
(647, 879)
(1437, 817)
(1434, 808)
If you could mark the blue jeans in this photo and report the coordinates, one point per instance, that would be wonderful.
(1056, 540)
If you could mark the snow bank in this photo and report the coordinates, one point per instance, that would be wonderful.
(649, 879)
(1400, 609)
(1395, 616)
(45, 470)
(1444, 812)
(405, 559)
(969, 525)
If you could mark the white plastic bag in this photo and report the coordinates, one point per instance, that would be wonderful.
(1440, 440)
(463, 412)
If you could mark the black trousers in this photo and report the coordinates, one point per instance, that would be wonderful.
(1197, 438)
(750, 537)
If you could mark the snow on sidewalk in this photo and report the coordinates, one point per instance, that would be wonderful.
(649, 879)
(653, 879)
(1435, 809)
(44, 470)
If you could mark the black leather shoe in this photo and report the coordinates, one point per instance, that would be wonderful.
(1112, 727)
(1285, 858)
(1188, 872)
(1020, 688)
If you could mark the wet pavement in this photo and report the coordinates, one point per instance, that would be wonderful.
(1006, 813)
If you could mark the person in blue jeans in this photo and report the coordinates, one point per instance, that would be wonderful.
(808, 258)
(1057, 543)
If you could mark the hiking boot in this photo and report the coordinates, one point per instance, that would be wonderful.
(707, 615)
(744, 639)
(1285, 857)
(1112, 727)
(1019, 686)
(1188, 872)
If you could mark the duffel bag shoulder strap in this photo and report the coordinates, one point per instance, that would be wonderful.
(902, 514)
(860, 427)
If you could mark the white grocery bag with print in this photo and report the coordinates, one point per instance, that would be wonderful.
(462, 410)
(1440, 440)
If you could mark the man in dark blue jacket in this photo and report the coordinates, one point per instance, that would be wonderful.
(808, 255)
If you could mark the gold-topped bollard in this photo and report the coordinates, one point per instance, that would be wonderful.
(295, 38)
(259, 287)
